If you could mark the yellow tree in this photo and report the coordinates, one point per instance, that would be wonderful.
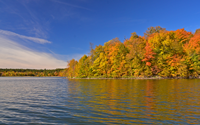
(72, 64)
(117, 55)
(83, 66)
(100, 66)
(136, 47)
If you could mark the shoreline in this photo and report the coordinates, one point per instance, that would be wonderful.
(32, 76)
(143, 78)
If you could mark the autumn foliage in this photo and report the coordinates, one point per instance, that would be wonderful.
(158, 53)
(33, 72)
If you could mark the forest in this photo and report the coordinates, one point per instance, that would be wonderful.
(158, 53)
(32, 72)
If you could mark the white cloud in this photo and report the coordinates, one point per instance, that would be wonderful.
(14, 55)
(34, 39)
(71, 5)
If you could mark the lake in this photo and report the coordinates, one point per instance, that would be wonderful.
(56, 100)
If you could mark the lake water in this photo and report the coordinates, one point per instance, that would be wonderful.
(56, 100)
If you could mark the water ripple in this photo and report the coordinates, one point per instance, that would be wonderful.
(54, 100)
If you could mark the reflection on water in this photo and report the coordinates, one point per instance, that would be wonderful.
(140, 101)
(106, 101)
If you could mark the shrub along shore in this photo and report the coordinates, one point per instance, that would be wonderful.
(158, 54)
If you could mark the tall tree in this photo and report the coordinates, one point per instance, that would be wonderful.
(72, 65)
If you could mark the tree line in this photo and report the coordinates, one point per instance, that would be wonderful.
(32, 72)
(158, 52)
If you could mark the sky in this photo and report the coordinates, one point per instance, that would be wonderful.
(39, 34)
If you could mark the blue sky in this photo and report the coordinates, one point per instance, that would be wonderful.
(47, 33)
